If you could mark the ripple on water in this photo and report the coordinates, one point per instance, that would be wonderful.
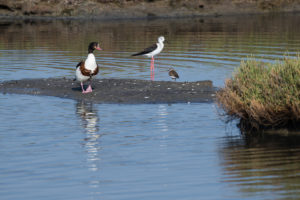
(208, 50)
(263, 166)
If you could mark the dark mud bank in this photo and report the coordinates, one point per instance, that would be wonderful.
(127, 91)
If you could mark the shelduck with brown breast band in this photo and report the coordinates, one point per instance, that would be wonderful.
(85, 70)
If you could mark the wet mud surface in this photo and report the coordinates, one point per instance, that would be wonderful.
(124, 91)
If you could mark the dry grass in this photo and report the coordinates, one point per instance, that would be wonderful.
(264, 95)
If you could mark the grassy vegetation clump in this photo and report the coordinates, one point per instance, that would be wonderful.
(264, 95)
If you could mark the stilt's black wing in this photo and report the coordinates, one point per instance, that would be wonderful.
(147, 50)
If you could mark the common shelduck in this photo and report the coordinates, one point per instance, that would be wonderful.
(85, 70)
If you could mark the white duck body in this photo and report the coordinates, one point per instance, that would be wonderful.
(80, 77)
(90, 64)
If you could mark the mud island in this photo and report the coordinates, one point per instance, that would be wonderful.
(125, 91)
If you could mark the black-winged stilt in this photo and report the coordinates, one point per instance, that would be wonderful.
(85, 70)
(152, 51)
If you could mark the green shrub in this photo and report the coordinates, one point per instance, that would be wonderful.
(264, 95)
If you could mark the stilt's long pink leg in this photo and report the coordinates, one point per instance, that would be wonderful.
(153, 64)
(152, 68)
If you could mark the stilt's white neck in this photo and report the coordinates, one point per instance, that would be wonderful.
(160, 46)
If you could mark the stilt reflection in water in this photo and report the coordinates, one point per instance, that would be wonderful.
(162, 115)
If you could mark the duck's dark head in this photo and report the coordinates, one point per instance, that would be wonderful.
(93, 46)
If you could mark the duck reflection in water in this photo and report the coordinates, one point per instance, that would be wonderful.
(90, 122)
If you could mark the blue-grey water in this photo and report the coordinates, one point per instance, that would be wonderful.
(54, 148)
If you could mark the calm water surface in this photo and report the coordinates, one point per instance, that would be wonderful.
(52, 148)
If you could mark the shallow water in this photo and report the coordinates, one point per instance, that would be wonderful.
(53, 148)
(198, 49)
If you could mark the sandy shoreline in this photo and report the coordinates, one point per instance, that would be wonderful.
(122, 91)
